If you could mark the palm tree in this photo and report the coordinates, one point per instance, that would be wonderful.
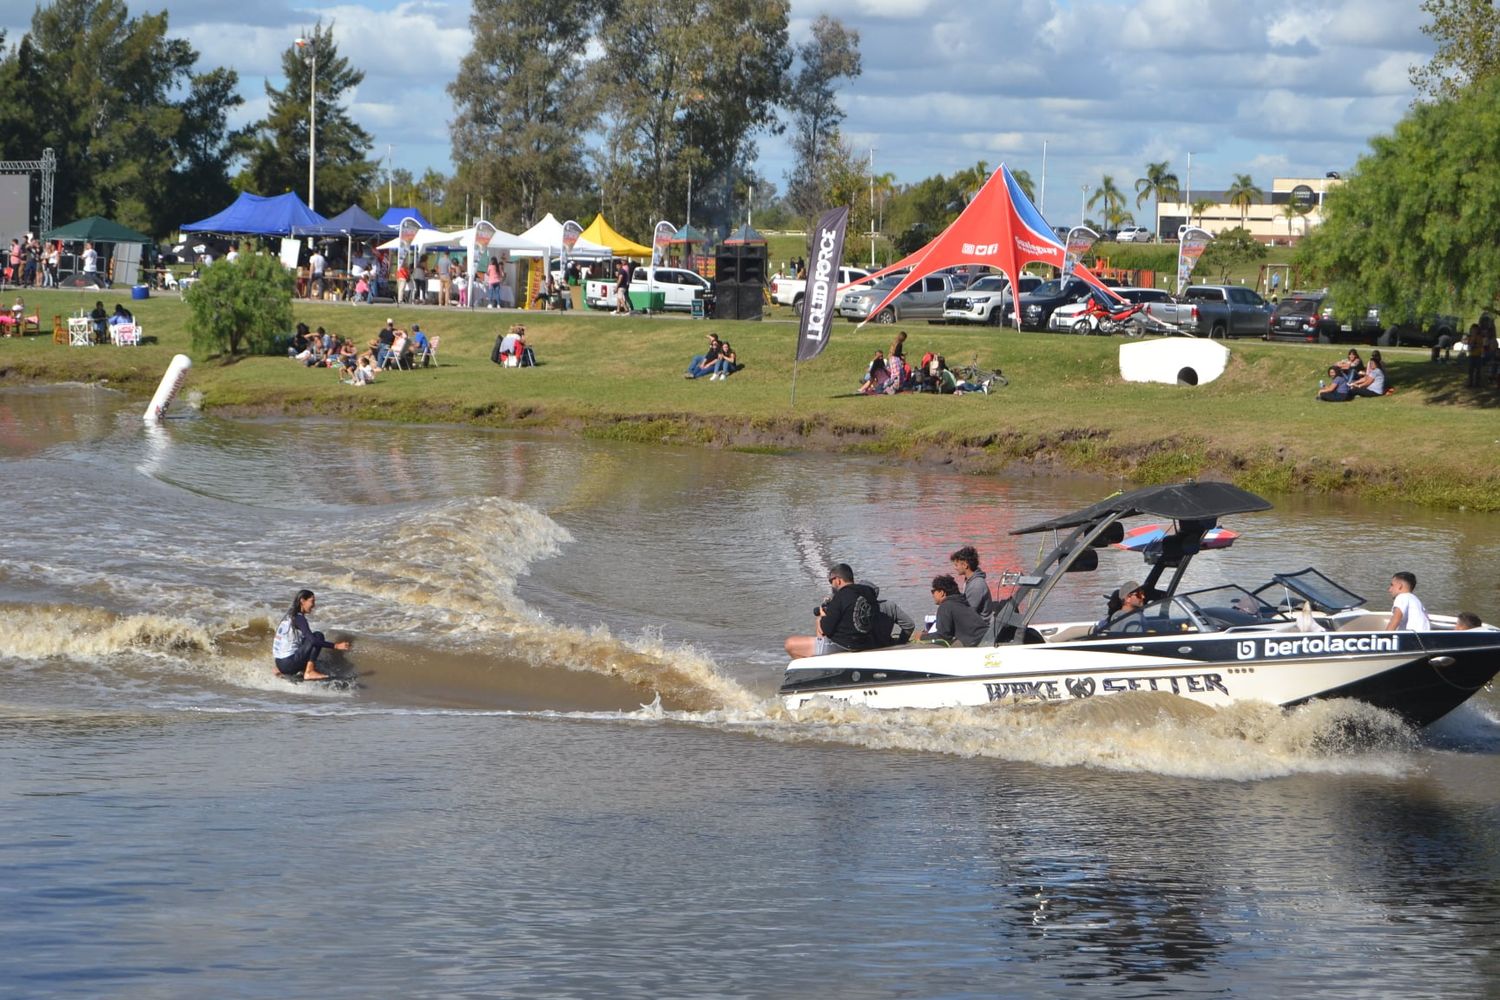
(971, 179)
(885, 186)
(1159, 184)
(1109, 198)
(1242, 194)
(1023, 179)
(1291, 212)
(1198, 207)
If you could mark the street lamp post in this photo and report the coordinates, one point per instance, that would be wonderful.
(872, 208)
(312, 128)
(1083, 207)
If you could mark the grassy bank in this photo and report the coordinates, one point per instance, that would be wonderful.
(1432, 443)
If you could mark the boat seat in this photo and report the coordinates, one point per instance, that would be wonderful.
(1365, 623)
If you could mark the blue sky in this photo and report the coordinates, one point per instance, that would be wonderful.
(1272, 88)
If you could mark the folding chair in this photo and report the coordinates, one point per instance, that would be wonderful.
(428, 355)
(125, 335)
(80, 332)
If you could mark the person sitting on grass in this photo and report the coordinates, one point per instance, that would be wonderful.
(727, 364)
(876, 375)
(364, 374)
(1352, 365)
(511, 350)
(705, 363)
(1372, 382)
(1337, 390)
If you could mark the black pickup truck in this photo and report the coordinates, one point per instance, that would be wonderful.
(1037, 306)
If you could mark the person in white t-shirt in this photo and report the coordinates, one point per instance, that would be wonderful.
(315, 266)
(1407, 611)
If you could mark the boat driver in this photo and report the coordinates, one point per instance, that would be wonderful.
(1128, 598)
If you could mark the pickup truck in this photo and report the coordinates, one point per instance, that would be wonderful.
(789, 291)
(1223, 311)
(1038, 305)
(1377, 328)
(986, 300)
(678, 285)
(922, 300)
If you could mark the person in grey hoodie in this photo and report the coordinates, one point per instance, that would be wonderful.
(957, 624)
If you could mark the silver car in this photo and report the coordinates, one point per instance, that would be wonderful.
(923, 300)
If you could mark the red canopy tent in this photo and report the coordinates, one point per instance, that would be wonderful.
(1000, 228)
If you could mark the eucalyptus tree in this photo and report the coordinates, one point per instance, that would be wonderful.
(1467, 34)
(830, 55)
(522, 107)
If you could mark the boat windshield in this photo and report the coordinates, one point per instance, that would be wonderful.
(1288, 590)
(1231, 606)
(1168, 616)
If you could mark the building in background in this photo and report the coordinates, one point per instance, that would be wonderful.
(1267, 219)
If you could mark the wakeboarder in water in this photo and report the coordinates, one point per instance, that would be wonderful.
(296, 646)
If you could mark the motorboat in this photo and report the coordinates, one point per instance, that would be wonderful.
(1298, 637)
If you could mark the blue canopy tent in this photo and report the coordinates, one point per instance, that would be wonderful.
(253, 215)
(393, 216)
(352, 221)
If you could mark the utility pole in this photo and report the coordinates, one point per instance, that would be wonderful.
(872, 208)
(312, 115)
(1042, 195)
(1083, 206)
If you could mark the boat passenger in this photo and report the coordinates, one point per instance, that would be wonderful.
(847, 621)
(976, 588)
(957, 623)
(1407, 611)
(1467, 620)
(296, 646)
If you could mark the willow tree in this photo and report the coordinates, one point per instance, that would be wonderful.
(1467, 33)
(1416, 224)
(523, 108)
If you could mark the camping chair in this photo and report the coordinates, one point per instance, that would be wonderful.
(125, 335)
(59, 330)
(80, 332)
(428, 355)
(391, 357)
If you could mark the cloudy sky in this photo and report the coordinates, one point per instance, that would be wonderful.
(1269, 88)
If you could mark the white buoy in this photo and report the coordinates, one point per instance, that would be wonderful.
(170, 383)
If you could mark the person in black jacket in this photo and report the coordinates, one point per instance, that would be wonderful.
(849, 620)
(957, 623)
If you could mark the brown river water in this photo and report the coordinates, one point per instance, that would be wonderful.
(565, 774)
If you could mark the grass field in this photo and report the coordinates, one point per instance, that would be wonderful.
(1432, 442)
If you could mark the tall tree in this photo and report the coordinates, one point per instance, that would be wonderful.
(1110, 200)
(1416, 223)
(1242, 194)
(1467, 33)
(522, 113)
(139, 136)
(829, 56)
(1025, 183)
(1159, 184)
(278, 156)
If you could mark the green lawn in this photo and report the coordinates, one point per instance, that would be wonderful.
(1431, 443)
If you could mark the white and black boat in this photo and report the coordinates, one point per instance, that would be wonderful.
(1296, 638)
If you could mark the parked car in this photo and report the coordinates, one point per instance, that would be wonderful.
(1377, 327)
(922, 300)
(1075, 317)
(789, 291)
(1037, 306)
(1304, 317)
(679, 287)
(987, 300)
(1228, 311)
(1133, 234)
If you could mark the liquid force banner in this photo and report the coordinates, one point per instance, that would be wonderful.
(825, 252)
(1190, 246)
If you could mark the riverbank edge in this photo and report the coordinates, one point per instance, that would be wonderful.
(1078, 450)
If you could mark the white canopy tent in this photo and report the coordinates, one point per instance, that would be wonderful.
(425, 238)
(548, 235)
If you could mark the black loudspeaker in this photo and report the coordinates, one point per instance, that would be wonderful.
(741, 263)
(726, 299)
(751, 297)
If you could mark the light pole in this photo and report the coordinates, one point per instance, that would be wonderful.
(1083, 207)
(872, 208)
(312, 127)
(389, 201)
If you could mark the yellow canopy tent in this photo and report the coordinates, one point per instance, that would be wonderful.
(602, 232)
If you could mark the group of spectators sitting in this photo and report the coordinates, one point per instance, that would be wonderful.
(512, 351)
(390, 348)
(1352, 377)
(718, 362)
(889, 373)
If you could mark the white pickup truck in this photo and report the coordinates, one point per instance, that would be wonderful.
(789, 291)
(679, 287)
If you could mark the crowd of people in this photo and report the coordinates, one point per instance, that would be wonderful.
(1483, 352)
(390, 348)
(32, 263)
(889, 373)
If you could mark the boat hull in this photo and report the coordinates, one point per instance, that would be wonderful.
(1420, 677)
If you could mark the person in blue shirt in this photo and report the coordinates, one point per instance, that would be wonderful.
(1337, 390)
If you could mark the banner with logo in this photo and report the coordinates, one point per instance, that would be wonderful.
(1191, 243)
(1081, 240)
(825, 252)
(570, 234)
(408, 232)
(483, 233)
(661, 240)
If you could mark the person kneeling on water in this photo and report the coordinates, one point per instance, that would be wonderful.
(849, 620)
(296, 646)
(957, 623)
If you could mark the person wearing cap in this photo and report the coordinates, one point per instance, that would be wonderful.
(1128, 598)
